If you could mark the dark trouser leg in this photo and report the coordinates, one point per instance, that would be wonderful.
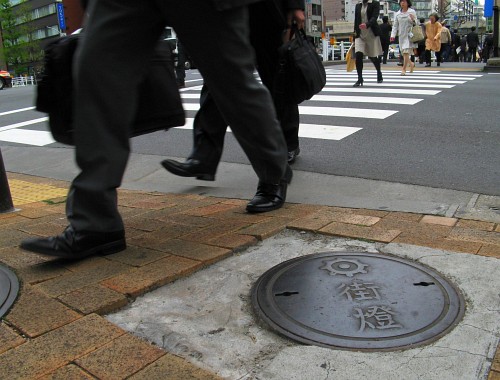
(438, 56)
(428, 57)
(105, 106)
(473, 51)
(359, 65)
(266, 38)
(227, 68)
(376, 63)
(180, 70)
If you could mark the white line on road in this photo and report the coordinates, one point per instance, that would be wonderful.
(16, 111)
(26, 136)
(366, 99)
(382, 90)
(327, 111)
(310, 131)
(408, 76)
(407, 85)
(409, 81)
(24, 123)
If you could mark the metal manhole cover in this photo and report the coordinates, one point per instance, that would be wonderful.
(360, 301)
(9, 287)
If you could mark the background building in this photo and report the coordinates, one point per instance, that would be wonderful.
(27, 26)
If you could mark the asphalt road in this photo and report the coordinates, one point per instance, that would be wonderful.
(450, 140)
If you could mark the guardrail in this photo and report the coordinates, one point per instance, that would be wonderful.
(23, 81)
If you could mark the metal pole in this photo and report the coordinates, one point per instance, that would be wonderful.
(6, 204)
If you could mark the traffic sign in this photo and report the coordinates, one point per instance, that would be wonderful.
(60, 16)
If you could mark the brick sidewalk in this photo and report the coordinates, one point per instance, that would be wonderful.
(56, 331)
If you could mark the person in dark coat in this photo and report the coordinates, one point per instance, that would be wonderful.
(463, 49)
(385, 36)
(487, 47)
(421, 44)
(270, 21)
(105, 107)
(455, 44)
(473, 42)
(367, 42)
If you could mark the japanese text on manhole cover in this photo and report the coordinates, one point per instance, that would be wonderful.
(357, 301)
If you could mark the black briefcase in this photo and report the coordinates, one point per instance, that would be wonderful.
(159, 108)
(301, 74)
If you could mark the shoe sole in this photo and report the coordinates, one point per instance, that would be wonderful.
(258, 210)
(183, 173)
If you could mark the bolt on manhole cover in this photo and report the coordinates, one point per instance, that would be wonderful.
(9, 287)
(360, 301)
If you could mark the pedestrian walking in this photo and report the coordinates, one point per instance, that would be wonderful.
(421, 43)
(105, 105)
(487, 47)
(463, 49)
(404, 20)
(367, 42)
(385, 36)
(473, 43)
(433, 41)
(180, 69)
(270, 20)
(445, 43)
(455, 44)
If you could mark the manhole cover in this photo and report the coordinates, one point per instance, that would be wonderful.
(357, 301)
(9, 287)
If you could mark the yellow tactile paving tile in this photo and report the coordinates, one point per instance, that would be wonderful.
(27, 192)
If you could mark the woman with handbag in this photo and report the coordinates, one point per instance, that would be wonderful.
(367, 42)
(404, 21)
(433, 43)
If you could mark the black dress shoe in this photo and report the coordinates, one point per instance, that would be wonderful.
(380, 79)
(190, 168)
(270, 197)
(292, 155)
(358, 83)
(73, 245)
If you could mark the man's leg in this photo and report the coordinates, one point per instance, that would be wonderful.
(227, 68)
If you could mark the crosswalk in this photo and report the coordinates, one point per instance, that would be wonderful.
(338, 103)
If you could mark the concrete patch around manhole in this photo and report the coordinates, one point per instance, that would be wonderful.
(208, 319)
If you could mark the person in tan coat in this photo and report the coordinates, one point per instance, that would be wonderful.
(433, 40)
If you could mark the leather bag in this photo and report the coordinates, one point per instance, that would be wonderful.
(159, 108)
(350, 59)
(300, 74)
(416, 34)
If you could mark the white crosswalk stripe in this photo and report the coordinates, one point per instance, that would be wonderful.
(338, 101)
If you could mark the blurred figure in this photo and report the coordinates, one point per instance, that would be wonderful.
(367, 42)
(385, 36)
(473, 43)
(445, 43)
(455, 44)
(421, 44)
(180, 69)
(403, 22)
(105, 107)
(433, 41)
(463, 49)
(487, 47)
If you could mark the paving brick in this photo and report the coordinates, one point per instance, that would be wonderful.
(233, 241)
(440, 243)
(404, 216)
(490, 250)
(42, 229)
(237, 202)
(495, 366)
(68, 372)
(55, 349)
(494, 375)
(172, 367)
(240, 215)
(196, 251)
(498, 228)
(155, 240)
(476, 225)
(360, 220)
(137, 256)
(142, 223)
(94, 299)
(293, 211)
(140, 280)
(423, 230)
(12, 238)
(267, 228)
(312, 222)
(217, 228)
(77, 280)
(17, 258)
(120, 358)
(468, 234)
(211, 209)
(33, 212)
(185, 220)
(8, 338)
(439, 220)
(34, 274)
(34, 313)
(360, 232)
